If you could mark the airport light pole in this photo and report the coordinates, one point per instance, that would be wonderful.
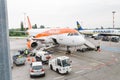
(113, 18)
(25, 21)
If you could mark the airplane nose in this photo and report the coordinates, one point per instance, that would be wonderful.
(78, 40)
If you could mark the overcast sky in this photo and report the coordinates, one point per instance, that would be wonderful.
(64, 13)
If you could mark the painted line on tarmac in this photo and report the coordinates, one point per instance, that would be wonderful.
(79, 71)
(58, 77)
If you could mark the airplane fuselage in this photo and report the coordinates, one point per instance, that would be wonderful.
(109, 32)
(62, 36)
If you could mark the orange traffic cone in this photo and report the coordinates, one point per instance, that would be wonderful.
(33, 59)
(28, 58)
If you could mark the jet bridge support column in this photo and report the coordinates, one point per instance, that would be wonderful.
(5, 67)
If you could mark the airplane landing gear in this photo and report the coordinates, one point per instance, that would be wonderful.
(68, 51)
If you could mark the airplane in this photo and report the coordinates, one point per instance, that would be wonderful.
(98, 32)
(54, 37)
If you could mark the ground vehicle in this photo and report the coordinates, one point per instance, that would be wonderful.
(60, 64)
(37, 69)
(43, 56)
(85, 49)
(18, 59)
(106, 38)
(115, 39)
(98, 37)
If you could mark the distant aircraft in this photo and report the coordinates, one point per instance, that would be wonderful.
(96, 32)
(43, 38)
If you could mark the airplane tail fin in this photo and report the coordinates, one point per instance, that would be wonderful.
(29, 23)
(79, 26)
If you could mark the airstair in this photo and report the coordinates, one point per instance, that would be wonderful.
(89, 44)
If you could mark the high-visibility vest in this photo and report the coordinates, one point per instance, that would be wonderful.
(26, 52)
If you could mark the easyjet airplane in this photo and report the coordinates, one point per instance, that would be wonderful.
(63, 36)
(58, 36)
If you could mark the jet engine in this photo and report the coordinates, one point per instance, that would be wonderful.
(34, 44)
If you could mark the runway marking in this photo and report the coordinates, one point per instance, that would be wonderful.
(58, 77)
(79, 71)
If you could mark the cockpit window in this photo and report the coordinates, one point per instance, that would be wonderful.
(73, 34)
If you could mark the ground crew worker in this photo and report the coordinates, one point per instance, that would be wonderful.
(26, 52)
(19, 56)
(98, 48)
(21, 52)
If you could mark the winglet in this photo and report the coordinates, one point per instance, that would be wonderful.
(79, 26)
(29, 24)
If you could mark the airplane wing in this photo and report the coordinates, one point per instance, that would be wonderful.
(41, 43)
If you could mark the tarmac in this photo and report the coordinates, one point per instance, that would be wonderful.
(90, 65)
